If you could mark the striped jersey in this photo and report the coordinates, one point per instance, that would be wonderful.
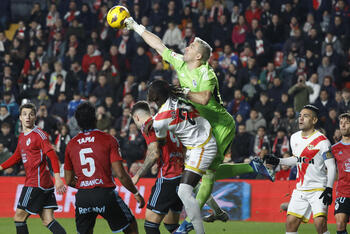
(184, 121)
(311, 153)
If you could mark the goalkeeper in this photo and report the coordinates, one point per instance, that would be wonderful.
(201, 88)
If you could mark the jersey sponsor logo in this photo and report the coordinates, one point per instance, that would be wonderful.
(194, 82)
(95, 209)
(347, 165)
(88, 183)
(28, 142)
(24, 157)
(86, 140)
(305, 160)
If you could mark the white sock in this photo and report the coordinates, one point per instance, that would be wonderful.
(291, 232)
(191, 207)
(327, 232)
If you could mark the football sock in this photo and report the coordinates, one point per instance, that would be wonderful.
(55, 227)
(171, 227)
(21, 227)
(228, 170)
(214, 206)
(291, 232)
(342, 232)
(151, 228)
(205, 188)
(191, 207)
(327, 232)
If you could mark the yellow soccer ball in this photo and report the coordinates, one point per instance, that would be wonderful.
(116, 16)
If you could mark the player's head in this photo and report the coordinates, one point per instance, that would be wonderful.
(159, 91)
(86, 116)
(27, 115)
(308, 117)
(198, 50)
(140, 112)
(344, 124)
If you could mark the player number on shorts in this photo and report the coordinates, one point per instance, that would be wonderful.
(87, 160)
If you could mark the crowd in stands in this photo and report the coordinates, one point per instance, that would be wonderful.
(271, 58)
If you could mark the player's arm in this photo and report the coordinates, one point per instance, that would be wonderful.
(152, 155)
(329, 161)
(69, 174)
(126, 181)
(202, 97)
(151, 39)
(273, 160)
(59, 185)
(15, 158)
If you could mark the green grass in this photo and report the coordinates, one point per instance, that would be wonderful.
(34, 224)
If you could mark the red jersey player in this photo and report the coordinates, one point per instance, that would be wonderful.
(164, 203)
(341, 152)
(37, 195)
(89, 158)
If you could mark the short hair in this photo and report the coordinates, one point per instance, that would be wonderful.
(345, 115)
(140, 105)
(313, 108)
(205, 49)
(6, 125)
(27, 106)
(86, 116)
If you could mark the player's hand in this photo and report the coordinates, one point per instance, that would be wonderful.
(135, 179)
(182, 92)
(140, 200)
(1, 168)
(130, 23)
(60, 186)
(271, 159)
(327, 196)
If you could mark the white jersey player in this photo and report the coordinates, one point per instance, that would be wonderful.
(194, 132)
(312, 155)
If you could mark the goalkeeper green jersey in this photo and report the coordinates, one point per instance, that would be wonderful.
(201, 79)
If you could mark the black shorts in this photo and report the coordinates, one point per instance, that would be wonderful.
(342, 205)
(101, 201)
(164, 196)
(34, 199)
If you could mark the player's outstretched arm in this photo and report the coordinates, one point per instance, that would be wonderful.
(151, 39)
(126, 181)
(152, 155)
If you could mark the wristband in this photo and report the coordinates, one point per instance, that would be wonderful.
(186, 91)
(137, 193)
(139, 28)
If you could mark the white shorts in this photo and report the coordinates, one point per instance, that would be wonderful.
(303, 203)
(199, 159)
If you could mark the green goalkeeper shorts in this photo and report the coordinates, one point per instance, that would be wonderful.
(224, 136)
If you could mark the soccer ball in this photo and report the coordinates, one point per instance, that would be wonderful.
(116, 16)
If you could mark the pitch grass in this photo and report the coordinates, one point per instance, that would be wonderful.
(34, 225)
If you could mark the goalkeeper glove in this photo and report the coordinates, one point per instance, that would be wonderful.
(132, 25)
(327, 196)
(271, 159)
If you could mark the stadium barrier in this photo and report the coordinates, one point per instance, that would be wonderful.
(250, 200)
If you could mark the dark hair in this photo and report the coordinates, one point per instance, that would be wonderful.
(313, 108)
(86, 116)
(345, 115)
(27, 106)
(140, 105)
(159, 91)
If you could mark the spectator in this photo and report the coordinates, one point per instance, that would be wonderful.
(255, 121)
(285, 172)
(324, 104)
(301, 93)
(280, 143)
(61, 142)
(92, 56)
(4, 155)
(252, 89)
(238, 105)
(72, 12)
(239, 33)
(129, 86)
(331, 123)
(313, 83)
(264, 106)
(52, 16)
(123, 122)
(111, 107)
(73, 104)
(344, 105)
(172, 36)
(45, 121)
(227, 58)
(104, 120)
(290, 122)
(275, 91)
(228, 89)
(275, 33)
(7, 137)
(133, 145)
(56, 47)
(59, 108)
(141, 65)
(284, 103)
(12, 106)
(253, 12)
(221, 30)
(240, 148)
(260, 142)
